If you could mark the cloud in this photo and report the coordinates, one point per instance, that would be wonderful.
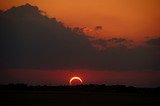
(1, 12)
(30, 40)
(103, 44)
(154, 41)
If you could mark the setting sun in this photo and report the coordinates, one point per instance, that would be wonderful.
(75, 78)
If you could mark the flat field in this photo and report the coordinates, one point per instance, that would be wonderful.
(75, 98)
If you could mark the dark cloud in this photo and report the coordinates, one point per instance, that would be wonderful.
(154, 42)
(1, 12)
(32, 40)
(103, 44)
(29, 39)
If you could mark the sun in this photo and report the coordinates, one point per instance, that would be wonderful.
(75, 78)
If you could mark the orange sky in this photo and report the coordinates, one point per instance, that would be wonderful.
(133, 19)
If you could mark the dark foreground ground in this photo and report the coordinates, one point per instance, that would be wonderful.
(79, 98)
(83, 95)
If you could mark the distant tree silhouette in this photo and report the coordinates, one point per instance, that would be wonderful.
(85, 88)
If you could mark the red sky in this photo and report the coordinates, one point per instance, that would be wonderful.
(61, 77)
(133, 19)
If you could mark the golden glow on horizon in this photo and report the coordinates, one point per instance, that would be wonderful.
(75, 78)
(133, 19)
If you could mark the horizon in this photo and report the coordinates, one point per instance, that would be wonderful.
(91, 86)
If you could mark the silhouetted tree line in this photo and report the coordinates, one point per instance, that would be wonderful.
(88, 88)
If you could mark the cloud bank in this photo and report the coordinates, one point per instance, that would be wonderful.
(30, 40)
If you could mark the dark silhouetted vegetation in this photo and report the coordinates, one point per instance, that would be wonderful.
(90, 87)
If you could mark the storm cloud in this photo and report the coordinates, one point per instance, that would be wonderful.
(29, 39)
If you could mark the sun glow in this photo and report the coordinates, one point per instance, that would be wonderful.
(75, 78)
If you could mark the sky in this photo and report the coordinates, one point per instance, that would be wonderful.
(107, 42)
(132, 19)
